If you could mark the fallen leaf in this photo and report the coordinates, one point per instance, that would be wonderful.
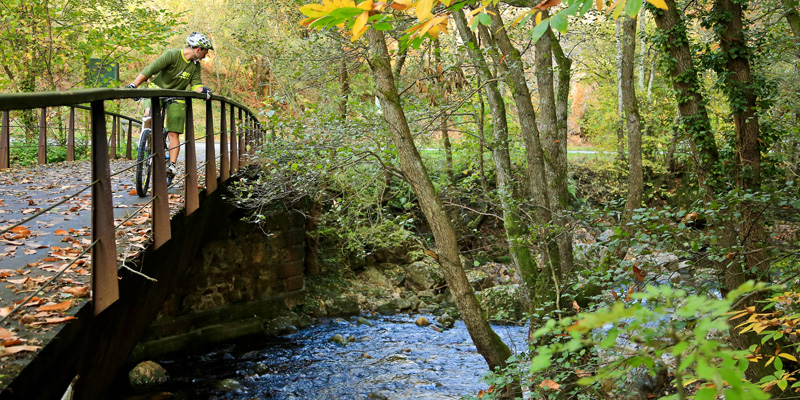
(10, 342)
(550, 384)
(5, 334)
(61, 232)
(29, 251)
(5, 311)
(16, 349)
(78, 291)
(630, 293)
(19, 281)
(56, 307)
(48, 321)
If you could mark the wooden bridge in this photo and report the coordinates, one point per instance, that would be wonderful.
(80, 253)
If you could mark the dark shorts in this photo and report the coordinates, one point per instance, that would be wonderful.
(176, 115)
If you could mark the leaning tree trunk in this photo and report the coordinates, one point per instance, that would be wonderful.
(632, 118)
(554, 141)
(535, 283)
(488, 343)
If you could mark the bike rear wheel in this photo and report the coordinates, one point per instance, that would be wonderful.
(144, 162)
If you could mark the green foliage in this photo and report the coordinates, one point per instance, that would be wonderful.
(46, 44)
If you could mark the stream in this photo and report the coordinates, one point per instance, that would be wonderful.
(392, 359)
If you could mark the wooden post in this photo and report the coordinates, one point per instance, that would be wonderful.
(242, 139)
(128, 150)
(211, 159)
(42, 153)
(112, 146)
(161, 228)
(234, 143)
(224, 164)
(5, 143)
(105, 286)
(192, 201)
(71, 135)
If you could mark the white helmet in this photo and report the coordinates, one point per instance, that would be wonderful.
(199, 40)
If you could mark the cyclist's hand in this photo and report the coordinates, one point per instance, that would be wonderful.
(206, 91)
(132, 86)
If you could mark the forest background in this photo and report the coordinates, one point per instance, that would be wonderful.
(445, 127)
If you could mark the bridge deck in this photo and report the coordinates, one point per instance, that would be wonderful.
(48, 248)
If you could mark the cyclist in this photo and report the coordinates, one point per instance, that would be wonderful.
(176, 69)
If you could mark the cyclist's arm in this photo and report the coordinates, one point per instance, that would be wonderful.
(140, 79)
(197, 82)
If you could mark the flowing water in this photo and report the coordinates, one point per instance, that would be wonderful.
(392, 359)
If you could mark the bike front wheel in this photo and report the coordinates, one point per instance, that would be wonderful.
(144, 162)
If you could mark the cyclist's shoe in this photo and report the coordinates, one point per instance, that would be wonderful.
(171, 172)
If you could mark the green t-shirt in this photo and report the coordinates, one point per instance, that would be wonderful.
(173, 71)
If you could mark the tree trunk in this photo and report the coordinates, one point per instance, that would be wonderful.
(448, 150)
(515, 78)
(554, 141)
(344, 82)
(694, 117)
(632, 118)
(620, 105)
(792, 17)
(728, 24)
(534, 282)
(488, 343)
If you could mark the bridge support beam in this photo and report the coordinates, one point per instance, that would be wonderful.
(192, 200)
(5, 145)
(105, 289)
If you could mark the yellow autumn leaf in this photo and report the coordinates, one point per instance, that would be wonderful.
(538, 18)
(360, 26)
(429, 24)
(599, 5)
(366, 5)
(423, 9)
(434, 31)
(613, 6)
(314, 10)
(788, 356)
(658, 3)
(477, 10)
(330, 4)
(523, 15)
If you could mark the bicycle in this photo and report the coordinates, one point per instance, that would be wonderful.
(144, 158)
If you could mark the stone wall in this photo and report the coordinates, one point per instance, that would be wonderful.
(233, 287)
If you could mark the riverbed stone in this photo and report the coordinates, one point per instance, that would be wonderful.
(228, 384)
(378, 396)
(402, 304)
(377, 278)
(501, 302)
(346, 305)
(338, 339)
(363, 321)
(422, 276)
(147, 373)
(479, 280)
(422, 321)
(446, 321)
(387, 308)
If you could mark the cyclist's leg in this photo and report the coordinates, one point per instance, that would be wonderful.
(147, 122)
(176, 121)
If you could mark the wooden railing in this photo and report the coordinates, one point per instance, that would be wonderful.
(239, 136)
